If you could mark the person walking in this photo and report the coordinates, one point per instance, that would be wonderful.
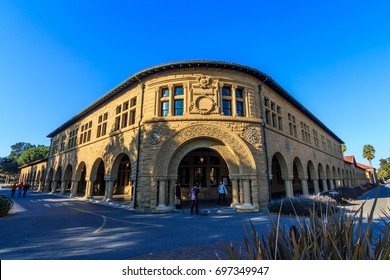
(13, 190)
(20, 189)
(177, 195)
(25, 188)
(222, 193)
(194, 198)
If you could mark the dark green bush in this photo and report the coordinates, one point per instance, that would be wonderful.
(5, 205)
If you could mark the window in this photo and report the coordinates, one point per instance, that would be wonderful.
(178, 110)
(132, 117)
(227, 107)
(240, 108)
(179, 90)
(102, 125)
(239, 93)
(133, 101)
(164, 108)
(165, 92)
(292, 125)
(54, 147)
(305, 133)
(226, 91)
(63, 138)
(273, 114)
(315, 135)
(85, 135)
(72, 142)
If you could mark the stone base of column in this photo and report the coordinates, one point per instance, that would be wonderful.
(162, 209)
(246, 207)
(234, 204)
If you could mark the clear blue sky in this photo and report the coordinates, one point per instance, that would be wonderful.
(57, 57)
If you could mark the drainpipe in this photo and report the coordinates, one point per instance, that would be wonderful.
(138, 143)
(259, 86)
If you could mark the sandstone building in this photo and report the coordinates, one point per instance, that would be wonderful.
(195, 121)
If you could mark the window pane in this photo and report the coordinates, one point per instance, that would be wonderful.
(240, 108)
(165, 92)
(164, 108)
(239, 93)
(227, 107)
(226, 91)
(179, 91)
(179, 107)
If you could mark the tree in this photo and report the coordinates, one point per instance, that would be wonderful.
(33, 154)
(384, 169)
(18, 148)
(343, 148)
(368, 153)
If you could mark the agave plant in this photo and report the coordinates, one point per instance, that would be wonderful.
(332, 235)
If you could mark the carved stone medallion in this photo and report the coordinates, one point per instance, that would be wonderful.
(155, 135)
(253, 136)
(203, 105)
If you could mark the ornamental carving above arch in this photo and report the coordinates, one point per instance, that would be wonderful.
(233, 142)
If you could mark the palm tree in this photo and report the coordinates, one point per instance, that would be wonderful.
(343, 148)
(369, 154)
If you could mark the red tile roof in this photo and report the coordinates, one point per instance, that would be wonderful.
(350, 159)
(363, 166)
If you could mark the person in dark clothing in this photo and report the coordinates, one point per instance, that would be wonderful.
(178, 195)
(25, 188)
(194, 198)
(13, 190)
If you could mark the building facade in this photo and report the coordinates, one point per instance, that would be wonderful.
(195, 121)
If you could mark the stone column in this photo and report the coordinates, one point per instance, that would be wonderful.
(53, 186)
(316, 185)
(88, 189)
(63, 186)
(172, 192)
(46, 186)
(234, 109)
(349, 183)
(235, 194)
(324, 185)
(247, 205)
(73, 190)
(162, 189)
(331, 183)
(171, 100)
(288, 186)
(109, 188)
(305, 188)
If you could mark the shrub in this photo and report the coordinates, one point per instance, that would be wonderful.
(5, 205)
(301, 205)
(330, 236)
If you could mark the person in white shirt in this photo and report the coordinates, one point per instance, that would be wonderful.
(222, 193)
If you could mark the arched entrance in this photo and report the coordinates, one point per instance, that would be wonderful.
(205, 167)
(99, 184)
(123, 187)
(279, 171)
(238, 163)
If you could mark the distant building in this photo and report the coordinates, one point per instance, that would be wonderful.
(34, 173)
(196, 121)
(364, 173)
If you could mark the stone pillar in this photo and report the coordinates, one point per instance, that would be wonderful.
(63, 186)
(234, 109)
(324, 185)
(73, 189)
(288, 186)
(172, 192)
(316, 185)
(171, 100)
(46, 186)
(109, 188)
(331, 184)
(349, 183)
(162, 192)
(88, 189)
(247, 205)
(235, 194)
(305, 188)
(53, 186)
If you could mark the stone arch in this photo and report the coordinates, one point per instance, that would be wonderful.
(49, 179)
(80, 179)
(120, 175)
(98, 182)
(67, 179)
(279, 173)
(57, 179)
(220, 138)
(312, 176)
(298, 176)
(322, 178)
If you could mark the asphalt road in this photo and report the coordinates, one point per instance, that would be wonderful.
(51, 227)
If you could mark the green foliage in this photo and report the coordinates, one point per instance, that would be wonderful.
(384, 169)
(331, 236)
(368, 152)
(343, 148)
(5, 205)
(33, 154)
(18, 148)
(8, 166)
